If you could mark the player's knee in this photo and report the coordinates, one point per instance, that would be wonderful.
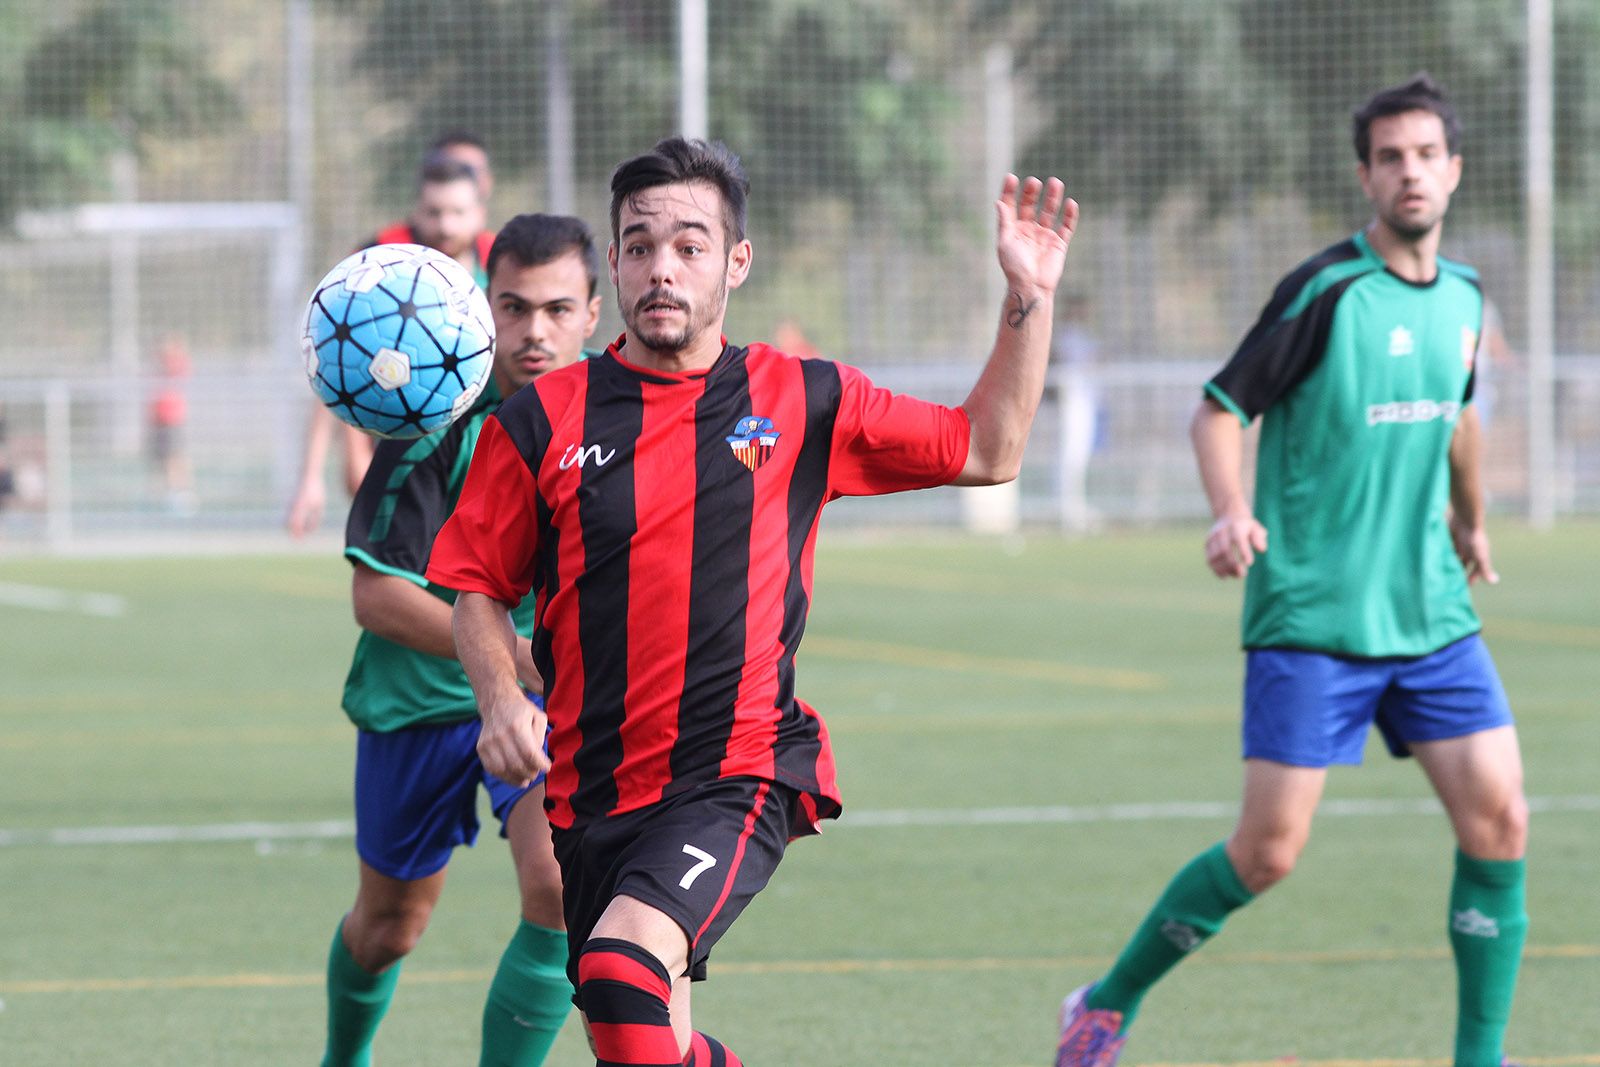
(378, 940)
(1498, 831)
(1262, 864)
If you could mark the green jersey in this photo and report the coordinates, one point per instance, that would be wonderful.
(408, 492)
(1359, 376)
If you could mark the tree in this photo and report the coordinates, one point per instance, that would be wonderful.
(1231, 98)
(821, 99)
(119, 75)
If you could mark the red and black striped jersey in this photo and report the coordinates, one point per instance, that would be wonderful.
(669, 521)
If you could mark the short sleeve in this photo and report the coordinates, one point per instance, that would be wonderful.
(886, 442)
(1281, 349)
(490, 543)
(403, 500)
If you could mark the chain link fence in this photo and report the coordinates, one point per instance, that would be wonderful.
(174, 174)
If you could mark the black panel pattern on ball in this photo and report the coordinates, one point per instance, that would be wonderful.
(343, 396)
(410, 304)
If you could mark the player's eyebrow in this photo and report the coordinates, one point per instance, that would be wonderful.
(677, 227)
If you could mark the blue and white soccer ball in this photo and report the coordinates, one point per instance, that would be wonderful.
(398, 340)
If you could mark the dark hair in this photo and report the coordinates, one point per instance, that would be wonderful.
(676, 160)
(534, 240)
(451, 138)
(1421, 93)
(440, 170)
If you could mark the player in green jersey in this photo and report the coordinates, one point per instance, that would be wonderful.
(417, 767)
(1361, 369)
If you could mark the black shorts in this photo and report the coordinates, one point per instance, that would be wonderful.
(699, 856)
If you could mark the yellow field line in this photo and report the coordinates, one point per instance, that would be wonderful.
(927, 722)
(1570, 635)
(172, 738)
(1009, 666)
(786, 967)
(935, 581)
(193, 699)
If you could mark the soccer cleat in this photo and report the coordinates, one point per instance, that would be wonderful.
(1088, 1036)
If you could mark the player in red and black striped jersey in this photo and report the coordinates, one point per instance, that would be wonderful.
(664, 501)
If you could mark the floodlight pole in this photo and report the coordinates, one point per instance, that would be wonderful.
(995, 508)
(290, 244)
(123, 312)
(1539, 209)
(561, 152)
(693, 109)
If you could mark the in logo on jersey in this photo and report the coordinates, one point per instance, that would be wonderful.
(753, 440)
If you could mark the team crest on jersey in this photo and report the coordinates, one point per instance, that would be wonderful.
(753, 440)
(1469, 347)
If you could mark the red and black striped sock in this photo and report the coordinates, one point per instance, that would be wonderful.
(624, 992)
(707, 1051)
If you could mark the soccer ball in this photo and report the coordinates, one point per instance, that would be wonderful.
(398, 340)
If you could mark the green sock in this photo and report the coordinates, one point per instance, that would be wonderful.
(356, 1004)
(1193, 908)
(528, 1000)
(1488, 924)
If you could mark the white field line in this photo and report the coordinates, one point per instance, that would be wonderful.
(42, 598)
(937, 817)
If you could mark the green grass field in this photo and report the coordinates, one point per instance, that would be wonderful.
(989, 706)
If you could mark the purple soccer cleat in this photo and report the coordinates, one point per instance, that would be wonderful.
(1088, 1036)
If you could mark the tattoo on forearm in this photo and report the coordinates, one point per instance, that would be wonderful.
(1017, 312)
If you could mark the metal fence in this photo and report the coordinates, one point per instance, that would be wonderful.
(175, 173)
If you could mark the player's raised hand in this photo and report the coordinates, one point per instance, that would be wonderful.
(1031, 242)
(1233, 544)
(511, 743)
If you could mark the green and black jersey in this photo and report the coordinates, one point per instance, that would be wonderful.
(1359, 376)
(408, 492)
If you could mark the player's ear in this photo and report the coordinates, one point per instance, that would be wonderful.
(1455, 171)
(739, 258)
(593, 322)
(611, 262)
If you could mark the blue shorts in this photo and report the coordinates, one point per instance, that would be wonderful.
(417, 796)
(1312, 709)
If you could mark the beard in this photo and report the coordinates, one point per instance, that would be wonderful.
(1412, 227)
(670, 340)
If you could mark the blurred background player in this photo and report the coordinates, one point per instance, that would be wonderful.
(1492, 363)
(668, 492)
(449, 214)
(417, 770)
(8, 476)
(169, 414)
(465, 147)
(1360, 612)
